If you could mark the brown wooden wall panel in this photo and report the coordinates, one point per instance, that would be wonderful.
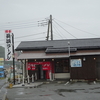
(87, 71)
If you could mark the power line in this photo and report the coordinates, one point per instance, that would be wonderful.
(27, 35)
(25, 21)
(32, 39)
(30, 35)
(24, 25)
(56, 35)
(57, 31)
(23, 40)
(77, 28)
(64, 29)
(28, 26)
(17, 24)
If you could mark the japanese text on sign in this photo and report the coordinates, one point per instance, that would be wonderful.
(32, 65)
(8, 48)
(76, 63)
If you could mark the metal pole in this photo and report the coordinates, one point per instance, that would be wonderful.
(26, 68)
(69, 48)
(48, 31)
(51, 27)
(13, 58)
(23, 72)
(69, 59)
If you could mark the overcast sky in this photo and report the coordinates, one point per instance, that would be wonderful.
(71, 19)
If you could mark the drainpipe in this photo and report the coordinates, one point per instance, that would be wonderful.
(26, 68)
(23, 84)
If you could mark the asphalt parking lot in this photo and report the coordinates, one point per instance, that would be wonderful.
(57, 91)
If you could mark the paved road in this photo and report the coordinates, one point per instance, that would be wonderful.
(2, 81)
(57, 91)
(2, 90)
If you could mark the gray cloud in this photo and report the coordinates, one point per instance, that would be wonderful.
(83, 14)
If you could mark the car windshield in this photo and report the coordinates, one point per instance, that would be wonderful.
(1, 69)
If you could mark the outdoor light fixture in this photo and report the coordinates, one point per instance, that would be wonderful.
(21, 51)
(84, 59)
(35, 59)
(94, 58)
(43, 59)
(52, 59)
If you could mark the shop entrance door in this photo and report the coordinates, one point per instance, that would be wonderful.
(40, 73)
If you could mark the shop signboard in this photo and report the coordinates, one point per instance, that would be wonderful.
(76, 63)
(46, 66)
(32, 65)
(8, 45)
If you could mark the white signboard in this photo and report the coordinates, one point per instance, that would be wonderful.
(8, 45)
(76, 63)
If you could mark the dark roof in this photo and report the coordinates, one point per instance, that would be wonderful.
(60, 50)
(88, 43)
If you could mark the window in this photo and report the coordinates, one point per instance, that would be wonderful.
(61, 66)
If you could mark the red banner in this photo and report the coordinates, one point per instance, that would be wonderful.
(45, 65)
(31, 66)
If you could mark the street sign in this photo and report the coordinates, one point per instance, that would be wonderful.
(8, 45)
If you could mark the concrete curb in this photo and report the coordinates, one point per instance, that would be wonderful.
(28, 85)
(4, 96)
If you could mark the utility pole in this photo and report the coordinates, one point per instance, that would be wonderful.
(13, 58)
(50, 28)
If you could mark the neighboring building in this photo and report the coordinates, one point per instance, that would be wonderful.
(2, 52)
(62, 59)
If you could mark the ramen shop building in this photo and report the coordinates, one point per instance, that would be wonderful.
(61, 59)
